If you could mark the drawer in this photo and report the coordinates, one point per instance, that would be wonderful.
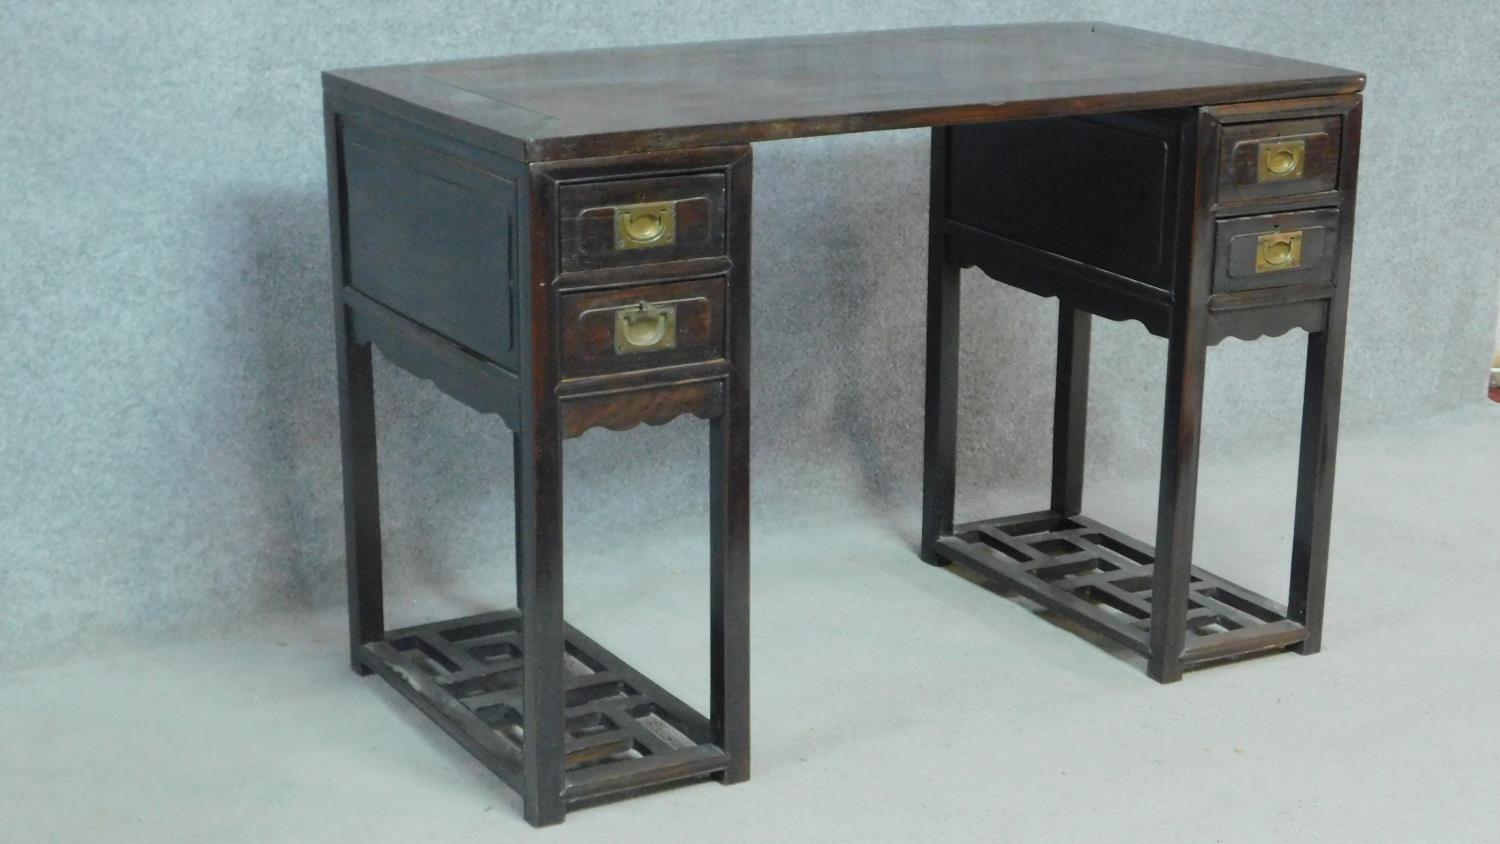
(1281, 158)
(1276, 250)
(642, 327)
(646, 220)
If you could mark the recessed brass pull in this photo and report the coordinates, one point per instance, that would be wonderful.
(645, 225)
(1278, 251)
(645, 328)
(1282, 160)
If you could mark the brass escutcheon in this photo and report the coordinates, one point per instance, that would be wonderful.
(645, 328)
(1282, 160)
(645, 225)
(1278, 251)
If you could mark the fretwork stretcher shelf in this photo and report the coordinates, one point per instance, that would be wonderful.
(1101, 578)
(623, 733)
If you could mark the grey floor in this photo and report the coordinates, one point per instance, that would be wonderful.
(892, 701)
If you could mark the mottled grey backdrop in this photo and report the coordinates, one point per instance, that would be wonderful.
(168, 448)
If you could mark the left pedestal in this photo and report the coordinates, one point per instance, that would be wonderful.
(560, 296)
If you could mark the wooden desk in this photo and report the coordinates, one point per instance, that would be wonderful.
(564, 240)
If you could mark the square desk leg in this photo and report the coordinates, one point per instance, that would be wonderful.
(361, 495)
(539, 596)
(356, 396)
(729, 582)
(940, 434)
(1151, 599)
(1315, 469)
(1177, 497)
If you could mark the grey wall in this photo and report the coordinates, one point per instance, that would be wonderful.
(168, 449)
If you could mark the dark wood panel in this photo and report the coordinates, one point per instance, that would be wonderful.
(586, 224)
(589, 343)
(564, 105)
(1102, 192)
(433, 238)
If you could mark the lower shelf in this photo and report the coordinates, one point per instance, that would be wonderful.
(1101, 578)
(624, 733)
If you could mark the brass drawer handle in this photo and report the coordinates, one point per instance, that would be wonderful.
(1282, 160)
(1278, 251)
(645, 326)
(645, 225)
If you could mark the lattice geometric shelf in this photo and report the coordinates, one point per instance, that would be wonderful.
(1101, 578)
(624, 732)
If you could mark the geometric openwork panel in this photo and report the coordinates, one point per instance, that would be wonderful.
(1101, 576)
(622, 730)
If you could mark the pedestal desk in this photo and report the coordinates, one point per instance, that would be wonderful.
(563, 240)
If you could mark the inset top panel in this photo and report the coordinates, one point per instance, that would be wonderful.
(596, 102)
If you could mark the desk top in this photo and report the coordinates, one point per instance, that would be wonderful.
(549, 106)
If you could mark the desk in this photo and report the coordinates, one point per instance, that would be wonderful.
(563, 240)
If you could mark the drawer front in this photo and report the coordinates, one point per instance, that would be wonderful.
(642, 327)
(1276, 250)
(1281, 158)
(647, 220)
